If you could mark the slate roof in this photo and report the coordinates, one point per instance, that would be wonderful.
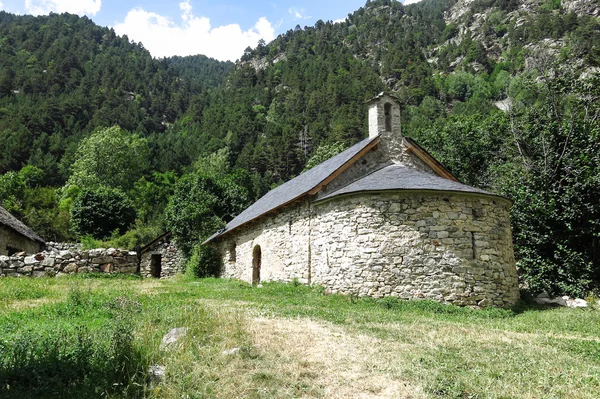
(8, 220)
(399, 177)
(392, 177)
(295, 188)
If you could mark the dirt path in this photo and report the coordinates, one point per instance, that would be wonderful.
(344, 365)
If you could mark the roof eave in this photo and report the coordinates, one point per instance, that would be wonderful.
(333, 196)
(314, 190)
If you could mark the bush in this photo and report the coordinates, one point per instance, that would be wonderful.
(99, 212)
(204, 262)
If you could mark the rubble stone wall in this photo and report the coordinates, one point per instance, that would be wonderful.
(453, 248)
(58, 262)
(283, 238)
(171, 259)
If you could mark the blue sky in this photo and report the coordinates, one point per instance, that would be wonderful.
(219, 29)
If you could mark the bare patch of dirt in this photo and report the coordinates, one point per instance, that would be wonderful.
(31, 303)
(343, 365)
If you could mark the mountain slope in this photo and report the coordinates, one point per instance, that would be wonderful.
(62, 76)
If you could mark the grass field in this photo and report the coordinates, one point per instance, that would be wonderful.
(86, 337)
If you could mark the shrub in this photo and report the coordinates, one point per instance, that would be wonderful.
(204, 262)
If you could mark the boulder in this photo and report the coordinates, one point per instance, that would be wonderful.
(174, 336)
(575, 303)
(156, 373)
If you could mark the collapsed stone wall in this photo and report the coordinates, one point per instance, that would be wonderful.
(58, 262)
(453, 248)
(171, 259)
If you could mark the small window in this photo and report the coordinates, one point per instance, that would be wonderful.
(232, 253)
(388, 117)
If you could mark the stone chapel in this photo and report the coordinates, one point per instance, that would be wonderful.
(383, 218)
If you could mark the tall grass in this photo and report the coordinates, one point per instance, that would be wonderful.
(73, 358)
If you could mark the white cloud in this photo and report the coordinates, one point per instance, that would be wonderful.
(407, 2)
(298, 13)
(80, 7)
(194, 35)
(1, 5)
(339, 21)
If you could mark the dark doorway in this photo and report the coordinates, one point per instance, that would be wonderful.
(156, 265)
(256, 262)
(12, 250)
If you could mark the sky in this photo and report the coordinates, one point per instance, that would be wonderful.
(220, 29)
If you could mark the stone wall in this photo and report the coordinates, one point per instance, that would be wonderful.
(55, 262)
(450, 248)
(283, 238)
(171, 259)
(453, 248)
(10, 238)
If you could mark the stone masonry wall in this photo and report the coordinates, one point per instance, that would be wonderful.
(284, 241)
(9, 238)
(172, 259)
(453, 248)
(55, 262)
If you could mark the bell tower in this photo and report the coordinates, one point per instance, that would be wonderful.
(384, 121)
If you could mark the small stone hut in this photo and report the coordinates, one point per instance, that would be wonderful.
(161, 258)
(383, 218)
(16, 237)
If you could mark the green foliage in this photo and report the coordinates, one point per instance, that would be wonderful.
(75, 360)
(98, 212)
(204, 262)
(323, 153)
(151, 195)
(554, 180)
(110, 157)
(205, 200)
(135, 238)
(12, 191)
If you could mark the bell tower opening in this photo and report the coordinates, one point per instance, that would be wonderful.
(387, 109)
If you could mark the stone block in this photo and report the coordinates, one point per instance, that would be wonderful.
(107, 268)
(48, 262)
(103, 259)
(128, 269)
(30, 260)
(70, 268)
